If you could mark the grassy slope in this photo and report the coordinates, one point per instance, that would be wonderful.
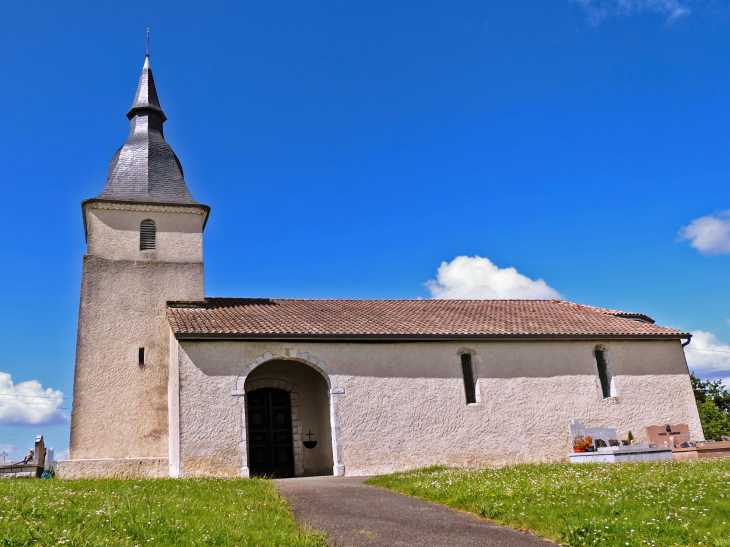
(662, 503)
(146, 512)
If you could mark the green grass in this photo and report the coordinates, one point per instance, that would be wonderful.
(661, 503)
(147, 512)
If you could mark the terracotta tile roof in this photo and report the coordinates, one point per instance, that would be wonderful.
(254, 317)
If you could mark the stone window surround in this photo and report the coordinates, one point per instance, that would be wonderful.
(614, 387)
(476, 362)
(333, 391)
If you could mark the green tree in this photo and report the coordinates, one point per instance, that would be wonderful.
(715, 422)
(714, 391)
(713, 405)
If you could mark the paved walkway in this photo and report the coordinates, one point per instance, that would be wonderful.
(356, 515)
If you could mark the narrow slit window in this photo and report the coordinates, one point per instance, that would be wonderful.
(141, 356)
(468, 371)
(604, 375)
(147, 233)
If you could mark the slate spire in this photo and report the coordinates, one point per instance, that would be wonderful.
(146, 96)
(145, 169)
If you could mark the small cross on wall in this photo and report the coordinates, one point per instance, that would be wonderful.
(310, 443)
(3, 455)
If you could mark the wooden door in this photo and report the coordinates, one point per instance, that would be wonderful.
(270, 448)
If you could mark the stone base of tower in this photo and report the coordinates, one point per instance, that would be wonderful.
(107, 468)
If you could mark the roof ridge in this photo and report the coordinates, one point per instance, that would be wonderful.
(389, 299)
(609, 311)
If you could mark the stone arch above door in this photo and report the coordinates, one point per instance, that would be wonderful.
(291, 355)
(334, 393)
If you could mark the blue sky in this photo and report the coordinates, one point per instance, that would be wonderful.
(348, 150)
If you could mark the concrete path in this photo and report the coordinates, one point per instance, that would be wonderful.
(356, 515)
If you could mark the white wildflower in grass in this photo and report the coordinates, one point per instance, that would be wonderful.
(610, 504)
(148, 512)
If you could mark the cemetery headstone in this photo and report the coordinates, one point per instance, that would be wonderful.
(604, 434)
(616, 452)
(49, 458)
(40, 452)
(671, 434)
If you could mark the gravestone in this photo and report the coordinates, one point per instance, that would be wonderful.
(671, 434)
(606, 434)
(49, 459)
(40, 452)
(30, 467)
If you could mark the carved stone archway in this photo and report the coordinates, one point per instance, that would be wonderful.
(334, 392)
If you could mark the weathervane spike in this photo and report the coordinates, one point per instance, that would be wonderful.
(148, 42)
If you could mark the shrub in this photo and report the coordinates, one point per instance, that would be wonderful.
(713, 405)
(715, 422)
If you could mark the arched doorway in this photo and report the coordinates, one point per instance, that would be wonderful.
(270, 433)
(274, 391)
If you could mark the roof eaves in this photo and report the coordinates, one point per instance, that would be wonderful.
(89, 201)
(420, 337)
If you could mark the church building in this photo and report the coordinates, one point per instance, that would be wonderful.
(171, 383)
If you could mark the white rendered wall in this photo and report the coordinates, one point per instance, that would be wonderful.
(112, 231)
(403, 404)
(121, 408)
(210, 422)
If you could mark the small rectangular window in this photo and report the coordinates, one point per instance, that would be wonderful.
(141, 356)
(603, 374)
(468, 372)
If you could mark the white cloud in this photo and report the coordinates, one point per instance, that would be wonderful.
(475, 277)
(710, 235)
(598, 10)
(708, 356)
(27, 403)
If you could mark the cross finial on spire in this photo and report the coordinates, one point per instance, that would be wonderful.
(148, 42)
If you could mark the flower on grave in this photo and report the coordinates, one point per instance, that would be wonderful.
(579, 441)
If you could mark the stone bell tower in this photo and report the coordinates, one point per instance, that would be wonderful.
(144, 236)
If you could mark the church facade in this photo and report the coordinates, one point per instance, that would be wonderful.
(171, 383)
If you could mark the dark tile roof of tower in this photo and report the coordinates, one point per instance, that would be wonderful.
(145, 169)
(260, 317)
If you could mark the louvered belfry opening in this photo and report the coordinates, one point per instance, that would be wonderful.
(468, 371)
(147, 232)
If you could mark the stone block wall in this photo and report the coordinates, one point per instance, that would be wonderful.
(108, 468)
